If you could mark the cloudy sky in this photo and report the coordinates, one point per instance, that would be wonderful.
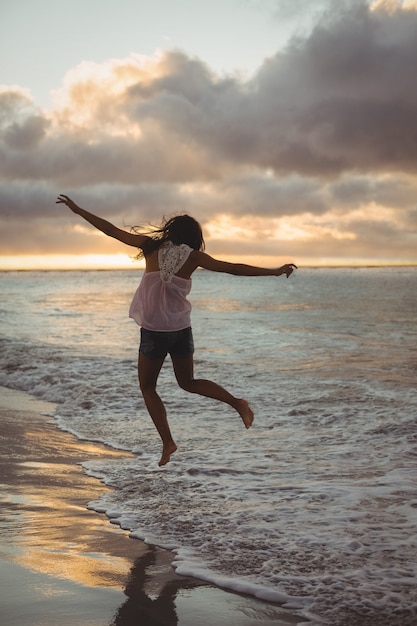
(287, 127)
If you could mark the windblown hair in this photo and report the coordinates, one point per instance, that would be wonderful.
(178, 229)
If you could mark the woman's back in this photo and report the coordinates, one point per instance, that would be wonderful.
(160, 302)
(185, 271)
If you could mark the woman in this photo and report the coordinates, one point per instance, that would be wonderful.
(160, 306)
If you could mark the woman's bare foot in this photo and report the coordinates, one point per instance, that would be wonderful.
(245, 412)
(167, 450)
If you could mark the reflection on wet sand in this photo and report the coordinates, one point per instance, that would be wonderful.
(145, 603)
(48, 528)
(157, 596)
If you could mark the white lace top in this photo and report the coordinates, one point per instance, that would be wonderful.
(160, 302)
(171, 258)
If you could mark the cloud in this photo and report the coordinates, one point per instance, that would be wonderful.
(325, 128)
(344, 99)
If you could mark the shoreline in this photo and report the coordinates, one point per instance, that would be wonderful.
(63, 563)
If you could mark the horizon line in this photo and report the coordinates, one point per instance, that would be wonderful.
(126, 269)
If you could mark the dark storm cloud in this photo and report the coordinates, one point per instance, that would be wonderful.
(344, 99)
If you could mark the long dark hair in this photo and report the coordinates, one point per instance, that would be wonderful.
(178, 229)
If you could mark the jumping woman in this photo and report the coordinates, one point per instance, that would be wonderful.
(160, 307)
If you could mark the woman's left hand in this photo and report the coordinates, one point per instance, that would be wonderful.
(288, 269)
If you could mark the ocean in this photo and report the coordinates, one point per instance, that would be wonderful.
(315, 506)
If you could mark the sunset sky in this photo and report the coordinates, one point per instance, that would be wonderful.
(287, 127)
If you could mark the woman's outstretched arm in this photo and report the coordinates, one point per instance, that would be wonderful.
(240, 269)
(130, 239)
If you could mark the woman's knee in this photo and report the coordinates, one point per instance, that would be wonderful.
(146, 386)
(187, 384)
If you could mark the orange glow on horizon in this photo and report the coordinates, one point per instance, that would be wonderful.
(69, 262)
(124, 262)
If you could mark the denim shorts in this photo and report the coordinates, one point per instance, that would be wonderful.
(156, 345)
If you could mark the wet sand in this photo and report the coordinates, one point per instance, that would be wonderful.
(64, 565)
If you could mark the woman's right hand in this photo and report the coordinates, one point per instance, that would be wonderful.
(62, 199)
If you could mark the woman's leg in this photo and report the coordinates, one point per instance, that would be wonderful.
(148, 370)
(184, 373)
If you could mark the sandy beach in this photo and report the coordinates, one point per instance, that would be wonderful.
(64, 565)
